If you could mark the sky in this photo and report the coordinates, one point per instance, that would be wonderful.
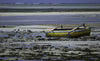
(49, 1)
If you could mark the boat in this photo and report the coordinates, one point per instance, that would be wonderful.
(73, 32)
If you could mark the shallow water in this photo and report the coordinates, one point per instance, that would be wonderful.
(55, 6)
(49, 19)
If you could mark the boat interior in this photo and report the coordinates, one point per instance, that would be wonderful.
(64, 29)
(79, 28)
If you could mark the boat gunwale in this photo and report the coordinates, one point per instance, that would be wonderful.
(60, 31)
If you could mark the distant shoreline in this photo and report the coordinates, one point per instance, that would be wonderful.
(45, 13)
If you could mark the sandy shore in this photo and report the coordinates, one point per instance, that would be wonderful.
(30, 27)
(45, 13)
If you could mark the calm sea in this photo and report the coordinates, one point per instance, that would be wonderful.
(54, 6)
(49, 19)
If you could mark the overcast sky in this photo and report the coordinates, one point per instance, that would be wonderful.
(49, 1)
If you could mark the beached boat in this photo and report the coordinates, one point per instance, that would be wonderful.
(74, 32)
